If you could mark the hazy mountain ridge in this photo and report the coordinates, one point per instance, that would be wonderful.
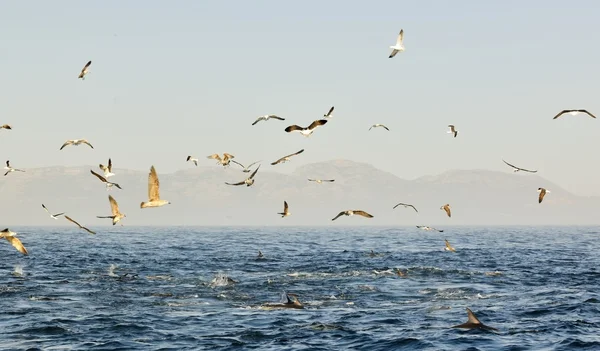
(200, 197)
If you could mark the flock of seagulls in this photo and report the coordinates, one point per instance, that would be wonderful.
(154, 200)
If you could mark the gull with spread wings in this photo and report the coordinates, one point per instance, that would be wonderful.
(103, 180)
(406, 206)
(154, 199)
(320, 181)
(75, 142)
(13, 240)
(114, 208)
(286, 211)
(107, 169)
(10, 169)
(399, 47)
(449, 247)
(542, 192)
(286, 158)
(5, 126)
(55, 216)
(245, 169)
(222, 161)
(306, 131)
(248, 181)
(79, 225)
(516, 169)
(352, 213)
(85, 70)
(573, 113)
(452, 130)
(446, 208)
(268, 117)
(379, 125)
(424, 227)
(191, 159)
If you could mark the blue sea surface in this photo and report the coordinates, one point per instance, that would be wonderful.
(142, 288)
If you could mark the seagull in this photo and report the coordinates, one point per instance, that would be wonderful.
(260, 255)
(329, 114)
(516, 169)
(190, 158)
(573, 113)
(154, 199)
(308, 130)
(286, 158)
(116, 214)
(449, 247)
(103, 180)
(399, 46)
(79, 225)
(248, 181)
(352, 213)
(452, 130)
(13, 240)
(107, 169)
(5, 126)
(55, 216)
(285, 212)
(379, 125)
(10, 169)
(424, 227)
(406, 206)
(542, 192)
(76, 142)
(246, 169)
(267, 117)
(473, 323)
(222, 161)
(446, 208)
(85, 70)
(321, 180)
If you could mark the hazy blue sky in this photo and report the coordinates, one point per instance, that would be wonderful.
(172, 78)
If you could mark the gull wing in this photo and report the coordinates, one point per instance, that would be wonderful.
(449, 246)
(400, 37)
(261, 118)
(46, 209)
(254, 173)
(541, 196)
(295, 153)
(561, 113)
(14, 241)
(227, 156)
(239, 164)
(285, 207)
(153, 185)
(252, 164)
(73, 221)
(330, 111)
(317, 123)
(99, 176)
(114, 207)
(293, 127)
(67, 143)
(386, 128)
(240, 183)
(103, 167)
(87, 143)
(447, 209)
(362, 213)
(328, 180)
(109, 165)
(5, 126)
(8, 163)
(276, 117)
(215, 156)
(339, 215)
(582, 111)
(86, 65)
(394, 52)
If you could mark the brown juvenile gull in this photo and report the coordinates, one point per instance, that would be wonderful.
(542, 192)
(573, 113)
(13, 240)
(449, 247)
(377, 125)
(114, 208)
(222, 161)
(103, 180)
(245, 169)
(248, 181)
(516, 169)
(55, 216)
(79, 225)
(446, 208)
(329, 113)
(473, 323)
(306, 131)
(399, 47)
(267, 117)
(286, 158)
(76, 142)
(154, 199)
(191, 159)
(10, 169)
(107, 169)
(321, 180)
(406, 206)
(452, 130)
(352, 213)
(84, 70)
(286, 211)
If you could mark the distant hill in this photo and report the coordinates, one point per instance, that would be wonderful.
(200, 197)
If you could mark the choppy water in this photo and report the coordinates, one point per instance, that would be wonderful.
(155, 288)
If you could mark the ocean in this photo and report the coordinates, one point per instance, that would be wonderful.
(166, 288)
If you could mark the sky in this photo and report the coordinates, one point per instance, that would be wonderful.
(172, 79)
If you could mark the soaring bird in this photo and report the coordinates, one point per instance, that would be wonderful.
(10, 169)
(286, 158)
(406, 206)
(191, 159)
(516, 169)
(452, 130)
(55, 216)
(449, 247)
(79, 225)
(84, 70)
(13, 240)
(5, 126)
(377, 125)
(473, 323)
(399, 45)
(267, 117)
(103, 180)
(329, 113)
(114, 208)
(308, 130)
(248, 181)
(286, 211)
(107, 169)
(245, 169)
(319, 181)
(222, 161)
(352, 213)
(424, 227)
(446, 208)
(573, 113)
(542, 192)
(154, 199)
(76, 142)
